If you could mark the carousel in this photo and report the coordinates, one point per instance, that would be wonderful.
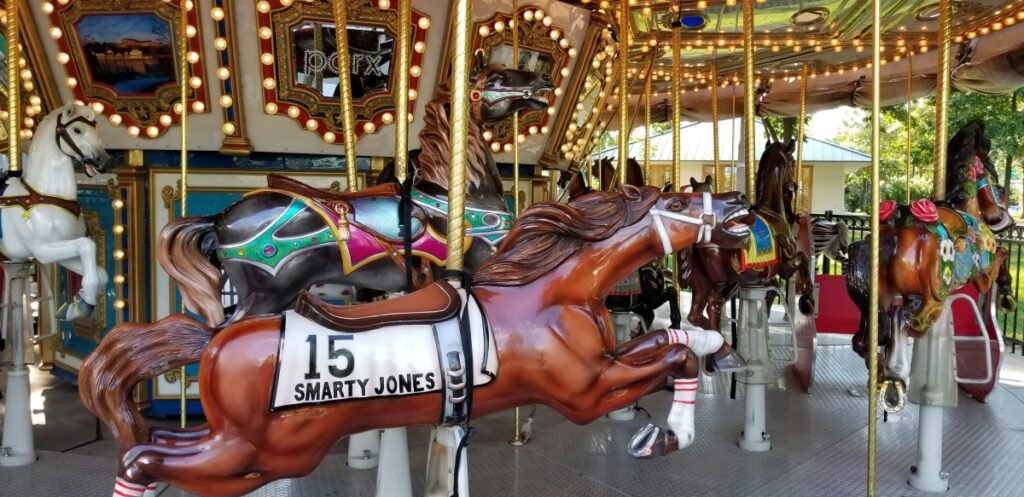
(224, 224)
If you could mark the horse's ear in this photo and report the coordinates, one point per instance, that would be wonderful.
(479, 64)
(708, 180)
(693, 182)
(791, 147)
(631, 192)
(667, 188)
(68, 111)
(767, 143)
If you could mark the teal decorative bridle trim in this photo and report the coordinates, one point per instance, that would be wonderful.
(489, 225)
(267, 250)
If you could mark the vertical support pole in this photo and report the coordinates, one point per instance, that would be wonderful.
(183, 69)
(733, 146)
(802, 201)
(403, 56)
(624, 90)
(876, 87)
(719, 182)
(17, 447)
(942, 100)
(13, 88)
(348, 118)
(647, 126)
(515, 135)
(910, 120)
(749, 161)
(462, 19)
(677, 77)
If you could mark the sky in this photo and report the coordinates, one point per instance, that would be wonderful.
(113, 28)
(829, 123)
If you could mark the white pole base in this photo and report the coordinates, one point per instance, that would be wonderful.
(755, 437)
(393, 478)
(18, 447)
(363, 450)
(441, 477)
(624, 414)
(927, 474)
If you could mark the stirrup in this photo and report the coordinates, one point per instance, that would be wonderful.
(76, 308)
(651, 442)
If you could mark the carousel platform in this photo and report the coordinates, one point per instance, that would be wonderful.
(819, 447)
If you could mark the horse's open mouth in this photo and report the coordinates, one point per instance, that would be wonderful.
(90, 168)
(737, 222)
(542, 95)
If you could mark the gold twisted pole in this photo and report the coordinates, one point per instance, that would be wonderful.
(732, 144)
(623, 90)
(910, 121)
(876, 88)
(647, 125)
(348, 117)
(183, 69)
(402, 92)
(942, 100)
(515, 137)
(719, 176)
(677, 165)
(801, 187)
(13, 88)
(462, 18)
(749, 161)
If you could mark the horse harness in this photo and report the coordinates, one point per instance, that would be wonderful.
(706, 221)
(62, 136)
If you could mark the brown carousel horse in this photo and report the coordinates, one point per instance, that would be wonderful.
(716, 273)
(548, 339)
(278, 241)
(928, 251)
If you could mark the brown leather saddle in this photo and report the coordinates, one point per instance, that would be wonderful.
(279, 182)
(431, 304)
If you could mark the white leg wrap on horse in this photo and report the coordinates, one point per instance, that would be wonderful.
(125, 489)
(702, 342)
(680, 417)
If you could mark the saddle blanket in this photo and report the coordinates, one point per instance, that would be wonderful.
(317, 365)
(761, 250)
(628, 287)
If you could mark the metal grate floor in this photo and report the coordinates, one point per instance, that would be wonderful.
(819, 449)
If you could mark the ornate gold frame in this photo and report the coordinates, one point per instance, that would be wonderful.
(150, 116)
(43, 86)
(309, 109)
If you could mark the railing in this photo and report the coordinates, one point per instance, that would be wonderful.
(1012, 324)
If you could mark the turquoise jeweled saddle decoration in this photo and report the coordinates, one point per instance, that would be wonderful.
(491, 226)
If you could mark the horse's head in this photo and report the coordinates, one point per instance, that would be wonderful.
(573, 182)
(972, 177)
(723, 219)
(74, 134)
(776, 178)
(499, 91)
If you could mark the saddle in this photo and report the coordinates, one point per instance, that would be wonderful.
(431, 304)
(279, 182)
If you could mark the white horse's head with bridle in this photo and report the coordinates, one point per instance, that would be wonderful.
(41, 218)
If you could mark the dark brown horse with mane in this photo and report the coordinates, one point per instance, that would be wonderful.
(552, 342)
(716, 273)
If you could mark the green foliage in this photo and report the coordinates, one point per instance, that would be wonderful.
(1003, 124)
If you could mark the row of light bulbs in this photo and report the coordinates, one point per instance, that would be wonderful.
(33, 104)
(119, 254)
(604, 58)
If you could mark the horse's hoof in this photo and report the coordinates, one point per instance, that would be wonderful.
(806, 305)
(651, 442)
(727, 360)
(1007, 303)
(76, 308)
(892, 395)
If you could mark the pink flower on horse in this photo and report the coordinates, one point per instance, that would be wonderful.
(886, 209)
(924, 210)
(977, 169)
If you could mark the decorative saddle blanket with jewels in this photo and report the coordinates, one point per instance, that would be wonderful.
(966, 247)
(761, 250)
(628, 287)
(318, 365)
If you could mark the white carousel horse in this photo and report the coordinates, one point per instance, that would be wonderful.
(40, 217)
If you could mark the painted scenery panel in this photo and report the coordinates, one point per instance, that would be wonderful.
(315, 58)
(529, 60)
(130, 53)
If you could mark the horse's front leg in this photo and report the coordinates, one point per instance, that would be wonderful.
(79, 256)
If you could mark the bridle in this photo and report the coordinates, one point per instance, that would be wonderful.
(61, 135)
(706, 221)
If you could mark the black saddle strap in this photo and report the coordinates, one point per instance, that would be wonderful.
(405, 224)
(463, 444)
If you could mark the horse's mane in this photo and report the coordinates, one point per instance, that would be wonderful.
(434, 144)
(766, 168)
(548, 233)
(969, 141)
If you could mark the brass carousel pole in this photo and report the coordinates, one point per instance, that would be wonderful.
(462, 18)
(910, 121)
(876, 87)
(183, 70)
(348, 117)
(732, 144)
(515, 140)
(801, 187)
(719, 176)
(942, 101)
(677, 166)
(13, 89)
(624, 90)
(647, 125)
(749, 161)
(403, 55)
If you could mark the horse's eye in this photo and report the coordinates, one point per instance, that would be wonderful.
(674, 205)
(77, 131)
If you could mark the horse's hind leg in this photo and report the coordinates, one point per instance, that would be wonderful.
(79, 256)
(217, 466)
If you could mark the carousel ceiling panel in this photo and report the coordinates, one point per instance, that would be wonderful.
(38, 94)
(120, 56)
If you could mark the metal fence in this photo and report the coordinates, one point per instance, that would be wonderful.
(1011, 324)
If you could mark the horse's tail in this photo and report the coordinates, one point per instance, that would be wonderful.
(185, 250)
(132, 353)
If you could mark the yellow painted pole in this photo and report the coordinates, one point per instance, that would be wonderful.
(677, 165)
(515, 139)
(719, 176)
(749, 161)
(183, 69)
(942, 100)
(910, 120)
(801, 200)
(403, 56)
(624, 90)
(348, 117)
(876, 87)
(647, 125)
(13, 88)
(462, 20)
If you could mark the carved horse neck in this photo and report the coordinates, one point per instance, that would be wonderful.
(970, 206)
(48, 170)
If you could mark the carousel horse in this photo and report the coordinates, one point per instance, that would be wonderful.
(276, 242)
(928, 251)
(716, 273)
(279, 391)
(41, 218)
(830, 239)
